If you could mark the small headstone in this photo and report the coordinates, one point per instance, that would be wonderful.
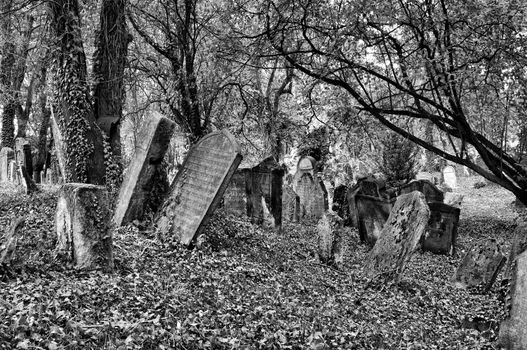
(138, 180)
(199, 186)
(480, 266)
(513, 330)
(6, 155)
(431, 192)
(441, 232)
(290, 204)
(235, 196)
(399, 237)
(449, 176)
(332, 239)
(372, 213)
(82, 224)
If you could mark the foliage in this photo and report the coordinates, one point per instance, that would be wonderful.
(315, 144)
(399, 160)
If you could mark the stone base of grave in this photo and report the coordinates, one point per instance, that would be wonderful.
(82, 224)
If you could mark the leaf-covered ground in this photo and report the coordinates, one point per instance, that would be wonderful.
(244, 288)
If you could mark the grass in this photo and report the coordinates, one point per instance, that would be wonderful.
(243, 288)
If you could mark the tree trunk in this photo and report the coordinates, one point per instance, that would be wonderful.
(83, 140)
(45, 115)
(109, 65)
(7, 66)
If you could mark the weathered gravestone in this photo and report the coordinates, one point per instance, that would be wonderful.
(138, 181)
(264, 184)
(235, 196)
(82, 224)
(6, 155)
(480, 266)
(365, 186)
(372, 213)
(333, 238)
(431, 192)
(199, 186)
(399, 237)
(441, 232)
(312, 198)
(449, 176)
(513, 330)
(290, 204)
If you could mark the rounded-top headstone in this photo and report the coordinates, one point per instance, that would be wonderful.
(306, 163)
(449, 176)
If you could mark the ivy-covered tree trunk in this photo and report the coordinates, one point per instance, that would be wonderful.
(7, 66)
(109, 65)
(83, 140)
(45, 115)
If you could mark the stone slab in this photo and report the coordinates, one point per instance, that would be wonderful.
(199, 186)
(138, 180)
(441, 232)
(372, 213)
(6, 155)
(431, 192)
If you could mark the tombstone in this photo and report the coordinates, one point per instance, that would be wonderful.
(449, 176)
(312, 199)
(513, 330)
(332, 239)
(340, 203)
(431, 192)
(235, 196)
(365, 186)
(519, 245)
(480, 266)
(6, 155)
(199, 186)
(265, 181)
(441, 232)
(13, 173)
(290, 204)
(137, 184)
(399, 237)
(425, 175)
(372, 213)
(83, 227)
(307, 165)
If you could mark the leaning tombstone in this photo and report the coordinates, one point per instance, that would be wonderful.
(513, 330)
(138, 180)
(332, 239)
(372, 213)
(6, 155)
(431, 192)
(399, 237)
(441, 231)
(83, 227)
(199, 186)
(480, 266)
(449, 176)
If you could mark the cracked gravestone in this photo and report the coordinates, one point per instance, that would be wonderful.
(399, 237)
(138, 180)
(6, 155)
(199, 186)
(480, 266)
(441, 232)
(83, 227)
(372, 213)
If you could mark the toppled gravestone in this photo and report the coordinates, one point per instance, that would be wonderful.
(441, 232)
(480, 266)
(399, 237)
(333, 238)
(82, 224)
(513, 330)
(372, 213)
(431, 192)
(290, 204)
(138, 181)
(6, 154)
(198, 187)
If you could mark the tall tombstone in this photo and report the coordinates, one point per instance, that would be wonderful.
(372, 213)
(235, 196)
(431, 192)
(6, 154)
(449, 176)
(290, 204)
(138, 180)
(83, 227)
(513, 330)
(480, 266)
(199, 186)
(399, 237)
(441, 232)
(312, 198)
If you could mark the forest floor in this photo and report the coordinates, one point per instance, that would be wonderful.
(243, 288)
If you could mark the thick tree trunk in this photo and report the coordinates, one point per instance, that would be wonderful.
(7, 66)
(109, 65)
(83, 140)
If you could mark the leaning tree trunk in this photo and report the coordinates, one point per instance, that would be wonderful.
(83, 140)
(109, 65)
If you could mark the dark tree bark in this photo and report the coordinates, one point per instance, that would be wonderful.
(109, 65)
(83, 140)
(45, 115)
(7, 67)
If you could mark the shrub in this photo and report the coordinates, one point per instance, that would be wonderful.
(399, 160)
